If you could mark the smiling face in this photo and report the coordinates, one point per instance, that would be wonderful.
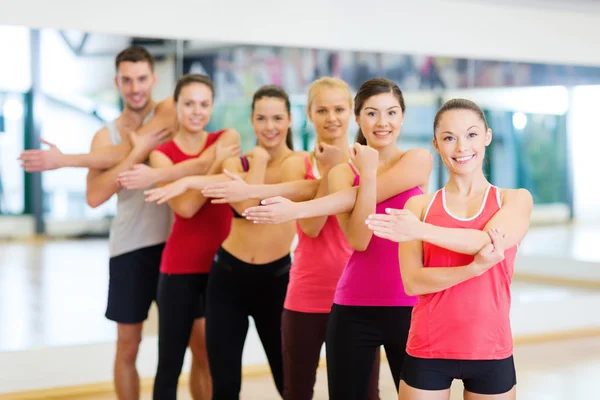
(329, 108)
(461, 136)
(194, 106)
(271, 121)
(135, 81)
(380, 120)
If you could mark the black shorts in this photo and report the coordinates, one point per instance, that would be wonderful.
(487, 377)
(132, 284)
(185, 293)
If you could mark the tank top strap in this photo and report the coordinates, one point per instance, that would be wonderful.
(245, 163)
(356, 175)
(115, 136)
(308, 167)
(435, 204)
(315, 168)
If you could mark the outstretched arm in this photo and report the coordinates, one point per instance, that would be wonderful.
(101, 185)
(418, 280)
(258, 159)
(161, 126)
(142, 177)
(185, 204)
(512, 219)
(389, 183)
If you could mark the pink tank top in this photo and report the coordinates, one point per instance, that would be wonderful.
(372, 277)
(317, 265)
(471, 320)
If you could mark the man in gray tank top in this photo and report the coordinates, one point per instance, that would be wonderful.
(139, 229)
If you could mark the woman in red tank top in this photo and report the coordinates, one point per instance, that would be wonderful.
(250, 271)
(197, 232)
(457, 253)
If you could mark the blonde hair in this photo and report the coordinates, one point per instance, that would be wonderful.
(327, 82)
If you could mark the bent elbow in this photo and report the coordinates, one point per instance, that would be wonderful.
(312, 233)
(410, 288)
(185, 213)
(359, 245)
(92, 201)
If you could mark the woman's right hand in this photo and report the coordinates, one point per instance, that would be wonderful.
(232, 191)
(165, 193)
(223, 152)
(275, 210)
(365, 158)
(140, 176)
(258, 153)
(492, 253)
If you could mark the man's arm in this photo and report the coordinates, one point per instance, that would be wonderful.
(101, 185)
(161, 127)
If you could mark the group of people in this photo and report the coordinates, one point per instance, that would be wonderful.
(207, 231)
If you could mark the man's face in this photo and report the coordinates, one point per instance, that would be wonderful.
(135, 81)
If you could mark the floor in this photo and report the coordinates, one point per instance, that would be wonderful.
(565, 370)
(45, 287)
(53, 297)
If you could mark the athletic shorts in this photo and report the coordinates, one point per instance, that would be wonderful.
(486, 377)
(133, 284)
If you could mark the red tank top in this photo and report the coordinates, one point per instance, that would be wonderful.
(318, 264)
(471, 320)
(193, 242)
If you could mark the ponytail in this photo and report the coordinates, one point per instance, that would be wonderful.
(289, 139)
(360, 138)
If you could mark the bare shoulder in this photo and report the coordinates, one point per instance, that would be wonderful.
(102, 138)
(158, 159)
(295, 159)
(229, 136)
(342, 170)
(293, 167)
(418, 204)
(166, 106)
(233, 164)
(521, 197)
(418, 155)
(341, 176)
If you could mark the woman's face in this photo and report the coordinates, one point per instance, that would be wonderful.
(194, 107)
(460, 140)
(380, 120)
(330, 113)
(271, 121)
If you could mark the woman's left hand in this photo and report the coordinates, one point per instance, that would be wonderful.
(396, 225)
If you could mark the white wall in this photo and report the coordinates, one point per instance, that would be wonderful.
(15, 71)
(436, 27)
(584, 135)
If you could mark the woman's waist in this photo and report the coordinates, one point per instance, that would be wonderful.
(258, 247)
(230, 261)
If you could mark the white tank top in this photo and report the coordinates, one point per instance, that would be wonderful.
(137, 224)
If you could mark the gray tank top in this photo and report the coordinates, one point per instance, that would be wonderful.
(137, 224)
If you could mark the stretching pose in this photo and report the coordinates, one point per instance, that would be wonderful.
(198, 231)
(370, 306)
(322, 250)
(457, 253)
(250, 272)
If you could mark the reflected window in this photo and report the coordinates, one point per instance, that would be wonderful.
(12, 111)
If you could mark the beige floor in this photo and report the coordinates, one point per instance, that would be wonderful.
(565, 370)
(48, 300)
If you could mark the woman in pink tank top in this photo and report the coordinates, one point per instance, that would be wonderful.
(457, 253)
(322, 250)
(370, 306)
